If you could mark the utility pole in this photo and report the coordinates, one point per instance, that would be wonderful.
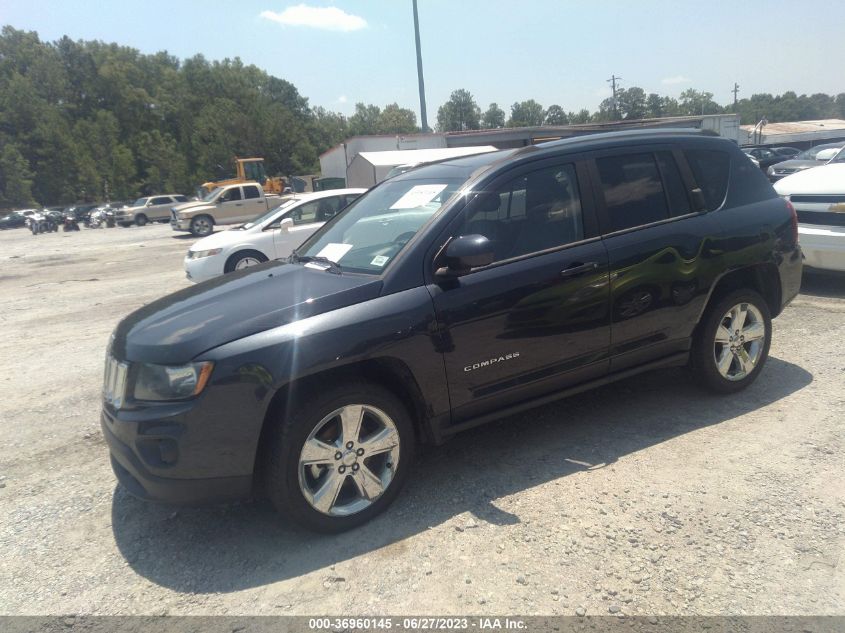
(735, 91)
(423, 117)
(612, 81)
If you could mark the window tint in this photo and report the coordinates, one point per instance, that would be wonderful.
(633, 193)
(232, 194)
(180, 198)
(161, 200)
(250, 192)
(535, 212)
(710, 169)
(675, 190)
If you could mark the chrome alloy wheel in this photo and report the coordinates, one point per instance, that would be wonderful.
(739, 343)
(202, 226)
(246, 262)
(349, 460)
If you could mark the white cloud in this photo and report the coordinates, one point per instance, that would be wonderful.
(677, 79)
(328, 18)
(342, 99)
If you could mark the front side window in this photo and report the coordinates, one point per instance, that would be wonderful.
(305, 214)
(369, 234)
(162, 200)
(180, 198)
(532, 213)
(140, 202)
(231, 195)
(633, 192)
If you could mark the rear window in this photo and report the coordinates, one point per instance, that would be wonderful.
(710, 169)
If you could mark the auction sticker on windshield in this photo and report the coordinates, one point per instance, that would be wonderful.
(379, 260)
(418, 196)
(333, 252)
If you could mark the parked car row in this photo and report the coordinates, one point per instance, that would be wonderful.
(778, 162)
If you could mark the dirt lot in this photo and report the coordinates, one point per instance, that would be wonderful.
(644, 497)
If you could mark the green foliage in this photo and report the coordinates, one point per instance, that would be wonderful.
(494, 117)
(460, 112)
(526, 114)
(15, 178)
(555, 115)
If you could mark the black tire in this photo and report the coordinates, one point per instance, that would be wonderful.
(234, 260)
(140, 219)
(291, 429)
(703, 355)
(202, 225)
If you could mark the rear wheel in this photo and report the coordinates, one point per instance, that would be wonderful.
(244, 259)
(337, 459)
(140, 219)
(733, 342)
(202, 225)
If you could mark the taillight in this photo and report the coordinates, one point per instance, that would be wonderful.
(794, 217)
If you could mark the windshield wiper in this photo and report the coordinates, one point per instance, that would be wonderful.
(305, 259)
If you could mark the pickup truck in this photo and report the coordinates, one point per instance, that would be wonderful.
(232, 204)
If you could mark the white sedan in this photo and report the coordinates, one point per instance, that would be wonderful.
(272, 235)
(818, 196)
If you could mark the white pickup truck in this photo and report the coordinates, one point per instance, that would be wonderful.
(232, 204)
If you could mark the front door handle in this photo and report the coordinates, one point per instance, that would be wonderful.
(579, 269)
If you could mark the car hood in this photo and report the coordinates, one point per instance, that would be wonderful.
(826, 179)
(177, 328)
(190, 206)
(796, 164)
(221, 239)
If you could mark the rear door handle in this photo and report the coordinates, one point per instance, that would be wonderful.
(579, 269)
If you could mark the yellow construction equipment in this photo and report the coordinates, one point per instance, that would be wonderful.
(248, 170)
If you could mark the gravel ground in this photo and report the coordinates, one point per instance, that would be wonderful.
(643, 497)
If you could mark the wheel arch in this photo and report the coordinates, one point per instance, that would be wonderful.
(763, 278)
(391, 373)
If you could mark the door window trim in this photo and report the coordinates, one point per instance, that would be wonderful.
(652, 149)
(589, 218)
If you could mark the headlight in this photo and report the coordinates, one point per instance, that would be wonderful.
(162, 382)
(201, 254)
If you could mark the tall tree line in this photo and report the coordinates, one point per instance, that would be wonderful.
(92, 120)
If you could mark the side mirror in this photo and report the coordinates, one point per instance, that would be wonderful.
(465, 253)
(286, 224)
(149, 203)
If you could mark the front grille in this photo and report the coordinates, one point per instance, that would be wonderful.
(825, 218)
(114, 381)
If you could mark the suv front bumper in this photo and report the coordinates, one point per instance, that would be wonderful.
(159, 441)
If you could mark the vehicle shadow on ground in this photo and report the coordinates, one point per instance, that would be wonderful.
(229, 548)
(823, 284)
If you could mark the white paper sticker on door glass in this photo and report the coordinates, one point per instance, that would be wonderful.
(418, 196)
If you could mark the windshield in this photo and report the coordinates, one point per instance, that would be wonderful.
(369, 234)
(269, 214)
(840, 157)
(810, 154)
(212, 194)
(140, 202)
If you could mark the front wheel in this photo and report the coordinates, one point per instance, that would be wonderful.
(733, 342)
(202, 226)
(244, 259)
(338, 458)
(141, 219)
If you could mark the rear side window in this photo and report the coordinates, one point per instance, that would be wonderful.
(710, 169)
(676, 192)
(633, 192)
(251, 191)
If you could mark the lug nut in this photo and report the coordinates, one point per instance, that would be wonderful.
(338, 455)
(359, 452)
(354, 466)
(388, 465)
(349, 445)
(341, 470)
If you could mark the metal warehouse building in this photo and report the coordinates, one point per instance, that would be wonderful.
(343, 160)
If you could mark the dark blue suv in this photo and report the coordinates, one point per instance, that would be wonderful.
(447, 296)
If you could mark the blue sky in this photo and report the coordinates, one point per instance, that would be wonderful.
(554, 51)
